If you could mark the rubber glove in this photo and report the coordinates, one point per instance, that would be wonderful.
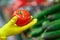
(11, 28)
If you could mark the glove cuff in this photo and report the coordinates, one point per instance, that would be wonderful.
(2, 35)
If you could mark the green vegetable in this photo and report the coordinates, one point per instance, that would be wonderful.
(45, 22)
(40, 30)
(38, 24)
(37, 31)
(57, 39)
(51, 35)
(51, 23)
(48, 11)
(53, 27)
(54, 16)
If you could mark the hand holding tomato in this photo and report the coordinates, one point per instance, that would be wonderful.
(23, 17)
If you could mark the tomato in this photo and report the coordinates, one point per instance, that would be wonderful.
(23, 17)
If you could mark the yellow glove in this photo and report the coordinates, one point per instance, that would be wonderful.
(12, 29)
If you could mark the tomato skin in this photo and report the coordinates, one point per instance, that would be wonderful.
(23, 17)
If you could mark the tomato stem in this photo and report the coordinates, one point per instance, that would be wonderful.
(21, 12)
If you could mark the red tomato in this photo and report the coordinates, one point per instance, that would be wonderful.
(23, 17)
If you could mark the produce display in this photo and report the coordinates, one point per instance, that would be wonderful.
(48, 25)
(48, 11)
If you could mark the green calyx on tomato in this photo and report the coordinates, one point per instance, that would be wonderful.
(23, 17)
(21, 12)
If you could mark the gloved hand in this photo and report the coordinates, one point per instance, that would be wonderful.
(12, 29)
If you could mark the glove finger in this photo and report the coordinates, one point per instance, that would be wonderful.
(12, 21)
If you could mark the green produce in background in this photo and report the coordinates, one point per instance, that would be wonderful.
(45, 22)
(58, 1)
(51, 23)
(48, 11)
(53, 27)
(51, 35)
(57, 39)
(37, 31)
(53, 17)
(38, 24)
(46, 25)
